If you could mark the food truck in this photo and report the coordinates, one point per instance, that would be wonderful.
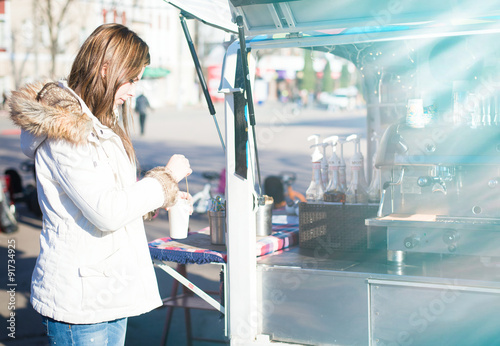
(420, 266)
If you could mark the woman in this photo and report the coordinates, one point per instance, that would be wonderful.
(94, 269)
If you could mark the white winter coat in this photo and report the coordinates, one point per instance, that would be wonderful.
(94, 263)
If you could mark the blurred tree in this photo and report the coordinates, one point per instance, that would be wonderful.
(17, 69)
(39, 31)
(54, 16)
(359, 82)
(327, 80)
(308, 74)
(345, 77)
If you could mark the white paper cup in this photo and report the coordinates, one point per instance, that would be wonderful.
(178, 218)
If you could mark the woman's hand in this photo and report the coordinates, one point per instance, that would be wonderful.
(178, 167)
(185, 195)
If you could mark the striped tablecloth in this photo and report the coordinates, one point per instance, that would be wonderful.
(197, 248)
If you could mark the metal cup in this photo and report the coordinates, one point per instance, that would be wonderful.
(264, 218)
(415, 114)
(217, 222)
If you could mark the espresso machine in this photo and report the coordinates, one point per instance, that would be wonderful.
(440, 188)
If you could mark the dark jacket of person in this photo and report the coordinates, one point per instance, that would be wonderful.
(141, 104)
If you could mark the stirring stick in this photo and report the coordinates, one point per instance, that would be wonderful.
(187, 186)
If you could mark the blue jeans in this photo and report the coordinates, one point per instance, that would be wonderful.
(105, 333)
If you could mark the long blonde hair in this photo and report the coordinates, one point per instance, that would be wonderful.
(122, 54)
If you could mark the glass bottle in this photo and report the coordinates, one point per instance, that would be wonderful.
(374, 188)
(334, 191)
(342, 166)
(314, 192)
(356, 192)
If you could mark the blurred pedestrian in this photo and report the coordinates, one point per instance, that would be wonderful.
(94, 269)
(141, 106)
(4, 99)
(8, 221)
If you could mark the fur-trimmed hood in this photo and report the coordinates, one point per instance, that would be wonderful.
(49, 110)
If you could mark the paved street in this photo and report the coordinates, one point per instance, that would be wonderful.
(283, 146)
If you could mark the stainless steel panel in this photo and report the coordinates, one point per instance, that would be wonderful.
(419, 267)
(473, 241)
(313, 307)
(433, 314)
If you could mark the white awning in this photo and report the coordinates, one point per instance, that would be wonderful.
(322, 23)
(216, 13)
(365, 16)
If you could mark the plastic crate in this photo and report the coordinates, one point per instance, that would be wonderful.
(335, 226)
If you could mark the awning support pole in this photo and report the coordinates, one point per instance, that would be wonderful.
(203, 84)
(249, 97)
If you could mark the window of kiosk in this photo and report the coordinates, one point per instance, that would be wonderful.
(435, 88)
(300, 93)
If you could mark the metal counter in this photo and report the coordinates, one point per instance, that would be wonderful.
(313, 297)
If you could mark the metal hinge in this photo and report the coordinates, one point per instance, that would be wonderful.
(294, 35)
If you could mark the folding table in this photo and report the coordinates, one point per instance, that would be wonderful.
(197, 249)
